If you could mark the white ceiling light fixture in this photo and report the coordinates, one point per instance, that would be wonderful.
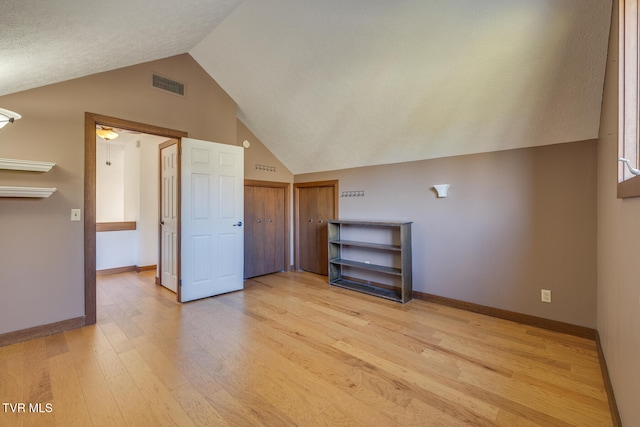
(7, 117)
(106, 133)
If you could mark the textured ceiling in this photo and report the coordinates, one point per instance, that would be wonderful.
(330, 84)
(333, 84)
(43, 42)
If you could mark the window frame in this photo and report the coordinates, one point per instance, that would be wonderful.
(629, 97)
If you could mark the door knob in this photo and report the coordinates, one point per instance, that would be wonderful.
(320, 221)
(238, 224)
(259, 221)
(161, 222)
(310, 220)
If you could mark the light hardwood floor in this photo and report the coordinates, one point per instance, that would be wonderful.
(290, 350)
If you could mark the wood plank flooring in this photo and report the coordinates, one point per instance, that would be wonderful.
(289, 350)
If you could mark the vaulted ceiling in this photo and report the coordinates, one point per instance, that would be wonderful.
(331, 84)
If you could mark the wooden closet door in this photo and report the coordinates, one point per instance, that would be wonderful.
(307, 199)
(251, 235)
(325, 209)
(274, 229)
(316, 205)
(264, 230)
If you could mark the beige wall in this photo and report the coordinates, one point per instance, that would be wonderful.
(514, 222)
(258, 154)
(618, 255)
(41, 255)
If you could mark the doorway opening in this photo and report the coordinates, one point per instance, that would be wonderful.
(126, 200)
(91, 121)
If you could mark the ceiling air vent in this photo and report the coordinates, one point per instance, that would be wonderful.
(168, 85)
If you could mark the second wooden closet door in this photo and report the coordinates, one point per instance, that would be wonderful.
(316, 207)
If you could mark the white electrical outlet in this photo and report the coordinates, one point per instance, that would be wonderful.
(75, 214)
(545, 295)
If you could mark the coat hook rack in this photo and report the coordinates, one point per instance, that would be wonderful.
(359, 193)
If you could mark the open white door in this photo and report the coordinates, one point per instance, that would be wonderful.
(212, 204)
(169, 215)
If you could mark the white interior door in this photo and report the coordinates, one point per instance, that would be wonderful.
(212, 205)
(169, 216)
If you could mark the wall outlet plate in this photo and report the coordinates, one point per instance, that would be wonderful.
(545, 295)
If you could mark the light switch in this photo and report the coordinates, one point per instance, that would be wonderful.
(75, 214)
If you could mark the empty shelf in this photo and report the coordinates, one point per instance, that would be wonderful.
(368, 289)
(365, 266)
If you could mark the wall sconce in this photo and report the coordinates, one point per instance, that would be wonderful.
(7, 117)
(442, 189)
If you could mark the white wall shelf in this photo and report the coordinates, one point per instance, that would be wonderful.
(26, 192)
(26, 165)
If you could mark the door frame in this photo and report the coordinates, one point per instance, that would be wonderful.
(90, 122)
(287, 204)
(296, 211)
